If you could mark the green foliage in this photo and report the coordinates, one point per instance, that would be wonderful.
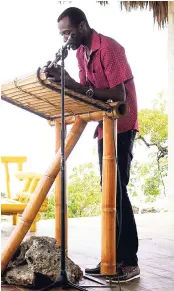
(50, 213)
(149, 178)
(146, 181)
(151, 187)
(154, 125)
(154, 122)
(84, 194)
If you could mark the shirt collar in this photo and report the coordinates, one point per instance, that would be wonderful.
(95, 42)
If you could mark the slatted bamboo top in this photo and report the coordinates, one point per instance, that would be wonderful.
(32, 95)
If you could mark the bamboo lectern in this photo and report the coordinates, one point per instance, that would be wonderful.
(42, 97)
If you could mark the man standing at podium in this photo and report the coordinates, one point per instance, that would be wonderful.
(105, 74)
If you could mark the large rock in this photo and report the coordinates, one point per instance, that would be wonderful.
(37, 263)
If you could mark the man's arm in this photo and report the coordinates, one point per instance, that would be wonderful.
(116, 93)
(116, 69)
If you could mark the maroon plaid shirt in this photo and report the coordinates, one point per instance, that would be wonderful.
(107, 68)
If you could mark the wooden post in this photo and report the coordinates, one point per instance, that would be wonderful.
(14, 219)
(120, 109)
(39, 195)
(19, 166)
(170, 104)
(7, 177)
(6, 160)
(108, 250)
(58, 194)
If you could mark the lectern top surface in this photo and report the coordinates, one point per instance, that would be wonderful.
(33, 95)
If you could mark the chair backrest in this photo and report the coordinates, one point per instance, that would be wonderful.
(31, 180)
(6, 160)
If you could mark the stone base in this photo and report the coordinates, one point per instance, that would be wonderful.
(36, 263)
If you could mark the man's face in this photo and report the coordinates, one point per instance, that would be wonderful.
(66, 29)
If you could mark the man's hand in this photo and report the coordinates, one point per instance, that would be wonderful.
(55, 72)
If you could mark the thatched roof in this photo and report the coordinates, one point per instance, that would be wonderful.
(159, 8)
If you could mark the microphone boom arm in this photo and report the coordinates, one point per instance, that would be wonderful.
(62, 52)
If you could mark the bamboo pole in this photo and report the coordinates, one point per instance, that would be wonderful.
(120, 109)
(108, 249)
(58, 195)
(39, 195)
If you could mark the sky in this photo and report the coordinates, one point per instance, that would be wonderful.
(30, 38)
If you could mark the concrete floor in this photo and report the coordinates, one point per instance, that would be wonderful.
(156, 250)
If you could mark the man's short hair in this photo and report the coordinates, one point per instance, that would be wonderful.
(75, 15)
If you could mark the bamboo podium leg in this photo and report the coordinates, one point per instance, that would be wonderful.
(58, 195)
(39, 195)
(108, 249)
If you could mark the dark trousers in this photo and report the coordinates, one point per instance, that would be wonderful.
(127, 246)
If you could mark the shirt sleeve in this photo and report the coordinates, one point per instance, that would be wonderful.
(115, 64)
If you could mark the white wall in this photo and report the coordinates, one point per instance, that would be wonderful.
(171, 105)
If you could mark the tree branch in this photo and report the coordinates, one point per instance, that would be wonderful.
(146, 143)
(162, 151)
(161, 176)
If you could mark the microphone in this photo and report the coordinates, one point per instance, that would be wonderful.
(62, 50)
(68, 42)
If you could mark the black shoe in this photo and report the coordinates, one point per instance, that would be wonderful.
(93, 271)
(124, 274)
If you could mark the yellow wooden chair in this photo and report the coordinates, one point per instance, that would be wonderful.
(15, 205)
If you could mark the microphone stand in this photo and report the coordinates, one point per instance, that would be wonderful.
(62, 279)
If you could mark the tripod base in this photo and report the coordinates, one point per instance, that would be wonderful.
(63, 282)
